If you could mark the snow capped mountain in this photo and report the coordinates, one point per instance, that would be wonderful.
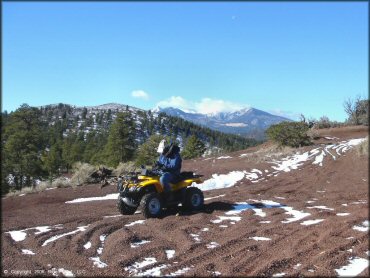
(249, 121)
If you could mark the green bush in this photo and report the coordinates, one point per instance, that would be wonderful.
(293, 134)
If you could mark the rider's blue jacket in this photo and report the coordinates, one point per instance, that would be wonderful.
(171, 165)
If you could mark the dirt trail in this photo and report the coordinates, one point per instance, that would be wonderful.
(310, 221)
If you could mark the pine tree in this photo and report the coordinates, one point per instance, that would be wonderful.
(147, 153)
(121, 143)
(193, 148)
(24, 139)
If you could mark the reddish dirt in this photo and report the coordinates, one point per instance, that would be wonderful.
(293, 248)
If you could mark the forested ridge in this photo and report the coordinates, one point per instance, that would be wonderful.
(41, 142)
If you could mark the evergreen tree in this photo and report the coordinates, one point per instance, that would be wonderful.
(147, 153)
(23, 141)
(53, 160)
(121, 143)
(193, 148)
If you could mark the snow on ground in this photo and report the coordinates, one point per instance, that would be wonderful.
(297, 215)
(21, 234)
(138, 243)
(224, 157)
(312, 222)
(221, 181)
(96, 260)
(321, 207)
(343, 213)
(135, 222)
(363, 227)
(54, 238)
(355, 267)
(179, 272)
(134, 268)
(87, 245)
(278, 274)
(212, 245)
(27, 252)
(259, 238)
(210, 198)
(170, 253)
(112, 196)
(195, 237)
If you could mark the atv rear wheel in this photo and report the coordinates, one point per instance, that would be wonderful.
(123, 208)
(194, 199)
(151, 205)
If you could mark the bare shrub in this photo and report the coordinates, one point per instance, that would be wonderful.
(313, 133)
(124, 168)
(363, 148)
(81, 173)
(61, 182)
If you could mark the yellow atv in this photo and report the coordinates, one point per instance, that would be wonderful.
(144, 190)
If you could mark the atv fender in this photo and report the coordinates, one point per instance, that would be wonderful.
(154, 183)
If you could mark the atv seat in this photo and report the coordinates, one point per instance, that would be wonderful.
(184, 176)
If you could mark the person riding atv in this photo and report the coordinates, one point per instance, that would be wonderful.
(147, 189)
(170, 164)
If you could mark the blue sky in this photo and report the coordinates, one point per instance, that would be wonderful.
(286, 58)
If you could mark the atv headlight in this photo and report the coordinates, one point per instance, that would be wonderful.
(133, 188)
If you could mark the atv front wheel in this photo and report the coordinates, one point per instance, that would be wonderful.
(123, 208)
(194, 199)
(151, 205)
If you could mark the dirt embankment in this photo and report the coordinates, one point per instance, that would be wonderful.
(300, 216)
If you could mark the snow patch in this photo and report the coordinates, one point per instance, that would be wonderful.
(135, 222)
(257, 238)
(112, 196)
(170, 253)
(312, 222)
(221, 181)
(210, 198)
(54, 238)
(355, 267)
(87, 245)
(212, 245)
(297, 215)
(321, 207)
(343, 213)
(133, 269)
(179, 272)
(27, 252)
(138, 243)
(364, 227)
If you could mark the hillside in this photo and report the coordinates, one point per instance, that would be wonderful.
(248, 122)
(303, 212)
(99, 118)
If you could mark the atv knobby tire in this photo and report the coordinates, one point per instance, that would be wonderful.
(194, 199)
(123, 208)
(151, 205)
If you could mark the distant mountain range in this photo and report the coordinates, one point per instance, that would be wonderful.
(249, 122)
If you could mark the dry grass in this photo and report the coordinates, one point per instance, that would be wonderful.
(124, 168)
(81, 173)
(363, 148)
(269, 152)
(42, 186)
(313, 133)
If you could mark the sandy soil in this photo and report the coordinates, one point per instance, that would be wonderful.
(244, 230)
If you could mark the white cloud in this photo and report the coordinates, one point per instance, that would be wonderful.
(204, 106)
(140, 94)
